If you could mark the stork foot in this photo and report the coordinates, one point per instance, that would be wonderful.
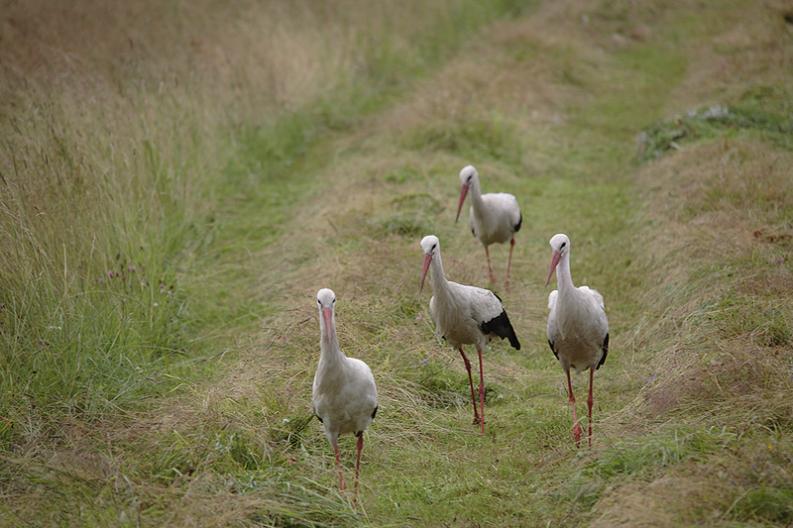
(477, 420)
(577, 432)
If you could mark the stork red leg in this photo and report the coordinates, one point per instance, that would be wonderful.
(481, 389)
(589, 402)
(358, 449)
(571, 400)
(489, 267)
(342, 485)
(470, 384)
(509, 261)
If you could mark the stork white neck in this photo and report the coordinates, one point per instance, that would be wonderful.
(330, 352)
(437, 277)
(564, 279)
(476, 195)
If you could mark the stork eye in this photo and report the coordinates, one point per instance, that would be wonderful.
(563, 245)
(433, 247)
(319, 302)
(334, 301)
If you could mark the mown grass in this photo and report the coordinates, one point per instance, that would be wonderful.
(689, 427)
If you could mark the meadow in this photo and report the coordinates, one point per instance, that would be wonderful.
(178, 180)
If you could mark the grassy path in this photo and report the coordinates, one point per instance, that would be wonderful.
(552, 116)
(570, 162)
(547, 106)
(512, 104)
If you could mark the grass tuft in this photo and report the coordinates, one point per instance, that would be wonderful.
(492, 139)
(769, 504)
(413, 216)
(750, 115)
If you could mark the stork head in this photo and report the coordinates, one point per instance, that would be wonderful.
(560, 246)
(431, 246)
(326, 300)
(467, 177)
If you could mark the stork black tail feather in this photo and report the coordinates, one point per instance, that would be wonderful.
(501, 327)
(605, 351)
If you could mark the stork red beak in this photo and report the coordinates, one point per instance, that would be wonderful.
(554, 262)
(424, 268)
(463, 193)
(327, 315)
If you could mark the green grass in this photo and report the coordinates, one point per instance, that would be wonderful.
(657, 451)
(492, 139)
(186, 402)
(766, 504)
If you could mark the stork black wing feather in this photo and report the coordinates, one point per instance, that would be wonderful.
(605, 351)
(550, 344)
(501, 327)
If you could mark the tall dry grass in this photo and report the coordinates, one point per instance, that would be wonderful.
(126, 130)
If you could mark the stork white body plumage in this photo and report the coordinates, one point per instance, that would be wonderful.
(494, 218)
(344, 394)
(578, 329)
(464, 315)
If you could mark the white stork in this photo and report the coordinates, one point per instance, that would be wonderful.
(344, 392)
(578, 330)
(464, 315)
(494, 217)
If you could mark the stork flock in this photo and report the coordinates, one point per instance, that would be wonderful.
(344, 391)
